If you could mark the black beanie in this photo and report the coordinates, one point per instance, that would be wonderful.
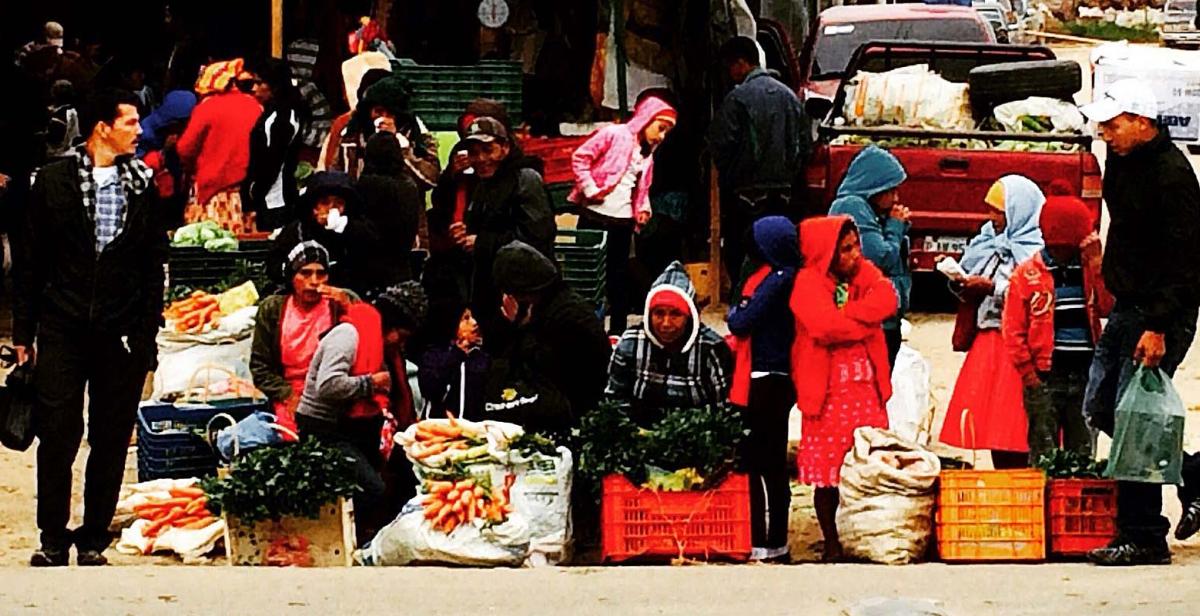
(306, 253)
(402, 306)
(519, 269)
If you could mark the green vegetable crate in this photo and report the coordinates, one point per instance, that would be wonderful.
(294, 541)
(192, 266)
(440, 93)
(580, 254)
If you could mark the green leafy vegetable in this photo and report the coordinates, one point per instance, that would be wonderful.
(529, 444)
(1066, 464)
(290, 480)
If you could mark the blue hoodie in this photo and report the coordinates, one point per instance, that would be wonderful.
(884, 239)
(177, 105)
(765, 317)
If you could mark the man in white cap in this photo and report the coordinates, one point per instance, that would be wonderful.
(1150, 261)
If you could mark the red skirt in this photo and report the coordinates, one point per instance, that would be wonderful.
(990, 387)
(852, 401)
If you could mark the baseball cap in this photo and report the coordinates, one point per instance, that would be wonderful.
(1126, 96)
(486, 130)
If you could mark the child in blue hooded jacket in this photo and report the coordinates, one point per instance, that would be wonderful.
(870, 195)
(762, 324)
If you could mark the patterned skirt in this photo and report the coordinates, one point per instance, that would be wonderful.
(225, 209)
(852, 401)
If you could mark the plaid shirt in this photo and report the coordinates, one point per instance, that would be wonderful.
(643, 374)
(110, 212)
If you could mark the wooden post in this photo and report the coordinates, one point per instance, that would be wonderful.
(714, 237)
(277, 29)
(618, 13)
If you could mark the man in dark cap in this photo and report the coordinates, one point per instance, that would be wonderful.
(552, 366)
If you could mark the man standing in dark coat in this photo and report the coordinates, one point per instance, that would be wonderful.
(1150, 267)
(89, 274)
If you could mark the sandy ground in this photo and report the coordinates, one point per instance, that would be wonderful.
(135, 588)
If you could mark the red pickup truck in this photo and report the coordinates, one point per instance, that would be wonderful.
(947, 183)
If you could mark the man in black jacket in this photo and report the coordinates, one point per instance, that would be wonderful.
(509, 203)
(1150, 267)
(89, 274)
(553, 364)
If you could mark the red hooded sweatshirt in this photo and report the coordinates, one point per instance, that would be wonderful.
(821, 325)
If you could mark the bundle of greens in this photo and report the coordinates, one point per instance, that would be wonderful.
(207, 235)
(1066, 464)
(275, 482)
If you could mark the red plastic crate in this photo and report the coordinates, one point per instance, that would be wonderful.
(647, 524)
(1083, 515)
(555, 153)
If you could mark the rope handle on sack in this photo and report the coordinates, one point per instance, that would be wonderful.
(207, 369)
(237, 446)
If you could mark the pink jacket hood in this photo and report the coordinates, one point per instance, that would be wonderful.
(601, 162)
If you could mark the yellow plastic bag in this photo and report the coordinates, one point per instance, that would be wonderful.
(237, 298)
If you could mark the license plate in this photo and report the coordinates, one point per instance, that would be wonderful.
(946, 243)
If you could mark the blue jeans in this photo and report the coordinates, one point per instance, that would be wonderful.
(1139, 505)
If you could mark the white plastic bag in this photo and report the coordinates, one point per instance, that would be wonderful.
(176, 369)
(1063, 115)
(542, 494)
(887, 495)
(410, 539)
(910, 408)
(910, 96)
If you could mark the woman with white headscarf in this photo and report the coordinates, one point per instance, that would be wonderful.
(987, 410)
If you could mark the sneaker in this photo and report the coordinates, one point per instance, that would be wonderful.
(1189, 523)
(1122, 553)
(46, 557)
(90, 558)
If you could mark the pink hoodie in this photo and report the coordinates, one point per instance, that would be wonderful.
(604, 158)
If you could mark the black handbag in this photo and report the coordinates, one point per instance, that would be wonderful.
(17, 398)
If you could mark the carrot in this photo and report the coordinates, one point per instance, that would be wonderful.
(176, 502)
(453, 421)
(471, 511)
(196, 505)
(432, 509)
(468, 497)
(465, 484)
(441, 516)
(457, 507)
(453, 495)
(447, 431)
(441, 487)
(187, 492)
(184, 521)
(153, 529)
(478, 491)
(200, 523)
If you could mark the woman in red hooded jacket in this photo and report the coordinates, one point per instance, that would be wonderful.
(839, 356)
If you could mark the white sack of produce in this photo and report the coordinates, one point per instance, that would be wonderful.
(911, 96)
(542, 494)
(887, 498)
(190, 545)
(437, 443)
(410, 539)
(1040, 114)
(909, 409)
(178, 371)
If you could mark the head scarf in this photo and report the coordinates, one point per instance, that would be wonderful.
(1022, 236)
(218, 76)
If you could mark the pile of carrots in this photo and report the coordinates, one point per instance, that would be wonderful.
(194, 314)
(187, 509)
(435, 438)
(450, 504)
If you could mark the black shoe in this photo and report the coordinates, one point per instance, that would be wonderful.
(1189, 524)
(90, 558)
(1127, 554)
(49, 558)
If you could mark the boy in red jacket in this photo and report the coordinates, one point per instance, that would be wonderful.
(1052, 322)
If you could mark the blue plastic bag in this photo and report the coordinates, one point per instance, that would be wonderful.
(1148, 440)
(256, 430)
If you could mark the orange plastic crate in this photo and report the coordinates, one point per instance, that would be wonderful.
(992, 516)
(1083, 515)
(647, 524)
(555, 153)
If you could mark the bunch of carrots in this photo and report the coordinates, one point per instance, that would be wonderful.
(187, 509)
(450, 504)
(195, 313)
(434, 438)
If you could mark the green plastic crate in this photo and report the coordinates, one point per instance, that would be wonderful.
(442, 92)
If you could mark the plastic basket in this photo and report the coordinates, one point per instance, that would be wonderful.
(440, 93)
(558, 196)
(196, 267)
(638, 523)
(992, 516)
(555, 153)
(1083, 515)
(169, 443)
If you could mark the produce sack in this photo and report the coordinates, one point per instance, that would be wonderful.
(1038, 114)
(1147, 443)
(181, 354)
(910, 407)
(542, 495)
(410, 540)
(887, 496)
(910, 96)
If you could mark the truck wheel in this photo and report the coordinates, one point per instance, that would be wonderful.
(996, 84)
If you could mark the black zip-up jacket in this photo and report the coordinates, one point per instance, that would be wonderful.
(1153, 247)
(63, 284)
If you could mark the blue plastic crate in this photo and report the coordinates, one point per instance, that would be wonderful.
(170, 441)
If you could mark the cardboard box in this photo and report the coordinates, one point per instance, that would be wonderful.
(327, 541)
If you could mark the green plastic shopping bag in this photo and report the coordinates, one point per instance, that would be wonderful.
(1148, 441)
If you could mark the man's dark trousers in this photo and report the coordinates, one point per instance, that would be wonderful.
(67, 360)
(1139, 505)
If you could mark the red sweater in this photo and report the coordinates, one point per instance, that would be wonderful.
(821, 325)
(216, 145)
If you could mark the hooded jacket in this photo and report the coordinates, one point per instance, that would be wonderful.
(1154, 232)
(648, 379)
(391, 205)
(274, 155)
(884, 239)
(760, 136)
(177, 106)
(821, 325)
(551, 369)
(604, 159)
(761, 322)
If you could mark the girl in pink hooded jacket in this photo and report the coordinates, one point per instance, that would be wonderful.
(613, 172)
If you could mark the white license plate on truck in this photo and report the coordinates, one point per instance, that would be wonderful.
(945, 243)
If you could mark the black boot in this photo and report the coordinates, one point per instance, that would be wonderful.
(1125, 553)
(49, 557)
(1189, 523)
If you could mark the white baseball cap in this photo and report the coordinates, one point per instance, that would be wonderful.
(1126, 96)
